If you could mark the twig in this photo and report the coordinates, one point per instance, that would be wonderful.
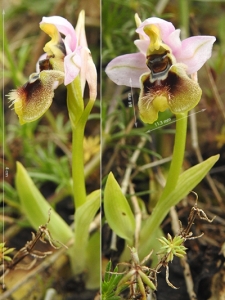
(160, 6)
(138, 215)
(214, 90)
(151, 165)
(195, 145)
(188, 278)
(50, 260)
(110, 118)
(113, 241)
(132, 164)
(96, 223)
(184, 263)
(174, 221)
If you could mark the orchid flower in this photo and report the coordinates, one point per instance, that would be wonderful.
(162, 68)
(65, 58)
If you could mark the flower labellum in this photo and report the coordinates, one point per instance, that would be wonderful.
(167, 85)
(33, 99)
(162, 68)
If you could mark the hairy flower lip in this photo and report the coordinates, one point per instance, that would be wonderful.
(33, 99)
(176, 91)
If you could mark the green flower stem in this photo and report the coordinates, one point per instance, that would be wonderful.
(78, 116)
(79, 189)
(84, 210)
(178, 155)
(77, 157)
(163, 205)
(78, 172)
(75, 104)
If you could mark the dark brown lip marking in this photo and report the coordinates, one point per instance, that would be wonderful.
(159, 64)
(45, 65)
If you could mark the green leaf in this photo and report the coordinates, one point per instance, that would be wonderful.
(110, 282)
(117, 210)
(93, 262)
(107, 270)
(186, 182)
(36, 207)
(75, 101)
(84, 215)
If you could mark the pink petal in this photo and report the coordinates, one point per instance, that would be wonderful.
(142, 45)
(166, 28)
(88, 72)
(63, 27)
(173, 41)
(72, 66)
(84, 54)
(126, 69)
(195, 51)
(91, 76)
